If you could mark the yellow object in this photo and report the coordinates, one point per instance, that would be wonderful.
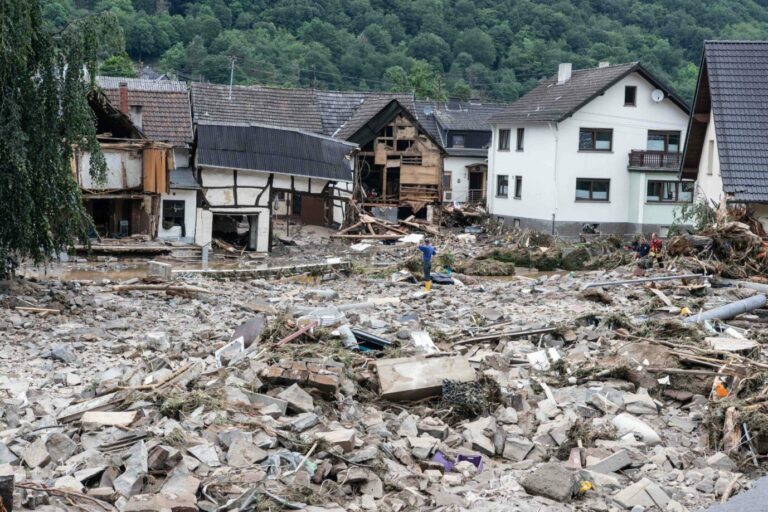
(427, 285)
(586, 486)
(685, 311)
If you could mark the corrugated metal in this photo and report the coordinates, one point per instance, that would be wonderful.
(262, 148)
(738, 85)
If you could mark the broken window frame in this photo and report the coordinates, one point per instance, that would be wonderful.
(176, 216)
(447, 181)
(591, 190)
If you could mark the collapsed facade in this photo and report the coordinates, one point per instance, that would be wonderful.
(127, 200)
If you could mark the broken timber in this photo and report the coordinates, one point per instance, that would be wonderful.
(644, 280)
(506, 334)
(252, 273)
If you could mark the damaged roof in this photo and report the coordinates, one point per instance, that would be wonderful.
(550, 101)
(165, 108)
(732, 90)
(271, 149)
(337, 114)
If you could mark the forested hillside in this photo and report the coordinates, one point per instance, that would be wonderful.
(493, 49)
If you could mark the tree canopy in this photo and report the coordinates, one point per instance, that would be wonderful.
(46, 117)
(498, 49)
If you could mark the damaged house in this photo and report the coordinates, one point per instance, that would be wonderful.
(161, 110)
(128, 200)
(244, 169)
(400, 164)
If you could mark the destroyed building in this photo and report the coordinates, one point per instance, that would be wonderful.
(128, 200)
(244, 169)
(161, 110)
(400, 164)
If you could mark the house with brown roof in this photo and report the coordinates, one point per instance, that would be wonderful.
(726, 150)
(126, 200)
(161, 111)
(399, 163)
(590, 150)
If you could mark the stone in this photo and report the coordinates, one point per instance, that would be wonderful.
(6, 455)
(625, 423)
(68, 483)
(158, 271)
(433, 427)
(506, 416)
(60, 447)
(205, 453)
(131, 481)
(181, 482)
(422, 447)
(36, 454)
(480, 434)
(552, 481)
(605, 403)
(612, 463)
(162, 502)
(260, 400)
(644, 493)
(62, 354)
(516, 448)
(243, 453)
(640, 403)
(162, 457)
(721, 461)
(413, 378)
(452, 479)
(72, 379)
(298, 399)
(158, 341)
(304, 421)
(687, 425)
(344, 438)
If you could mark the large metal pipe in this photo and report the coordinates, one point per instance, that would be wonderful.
(644, 280)
(760, 287)
(729, 310)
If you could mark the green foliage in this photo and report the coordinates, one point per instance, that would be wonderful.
(498, 49)
(421, 80)
(699, 214)
(118, 65)
(46, 118)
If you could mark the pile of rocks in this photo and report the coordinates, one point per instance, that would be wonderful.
(229, 400)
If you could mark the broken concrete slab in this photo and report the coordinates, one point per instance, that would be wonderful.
(344, 438)
(553, 481)
(612, 463)
(36, 454)
(243, 453)
(162, 502)
(298, 399)
(644, 493)
(96, 419)
(625, 423)
(415, 378)
(205, 453)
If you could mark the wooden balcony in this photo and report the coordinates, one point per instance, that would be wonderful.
(640, 159)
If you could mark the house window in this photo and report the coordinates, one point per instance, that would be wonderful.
(173, 215)
(710, 156)
(503, 140)
(458, 141)
(595, 139)
(588, 189)
(666, 141)
(447, 179)
(669, 191)
(502, 186)
(520, 138)
(630, 96)
(518, 187)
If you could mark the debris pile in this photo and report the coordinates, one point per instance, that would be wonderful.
(363, 392)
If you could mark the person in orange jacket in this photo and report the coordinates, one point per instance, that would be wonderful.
(656, 250)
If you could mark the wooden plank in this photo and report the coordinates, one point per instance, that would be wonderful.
(109, 419)
(75, 411)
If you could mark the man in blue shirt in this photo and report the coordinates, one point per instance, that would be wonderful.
(427, 252)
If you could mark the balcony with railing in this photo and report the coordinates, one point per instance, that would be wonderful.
(645, 160)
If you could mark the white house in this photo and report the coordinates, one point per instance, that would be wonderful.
(590, 149)
(726, 150)
(463, 130)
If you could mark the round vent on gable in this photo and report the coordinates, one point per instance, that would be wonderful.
(657, 95)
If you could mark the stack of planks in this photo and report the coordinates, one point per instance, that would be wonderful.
(373, 228)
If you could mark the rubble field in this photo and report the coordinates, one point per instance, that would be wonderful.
(353, 389)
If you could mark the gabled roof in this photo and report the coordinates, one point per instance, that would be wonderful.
(271, 149)
(165, 107)
(550, 101)
(732, 89)
(288, 108)
(338, 114)
(461, 115)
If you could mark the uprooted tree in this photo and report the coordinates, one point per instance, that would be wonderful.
(45, 76)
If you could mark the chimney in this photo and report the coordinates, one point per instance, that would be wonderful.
(564, 73)
(603, 64)
(123, 88)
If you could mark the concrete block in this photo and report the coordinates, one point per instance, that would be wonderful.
(415, 378)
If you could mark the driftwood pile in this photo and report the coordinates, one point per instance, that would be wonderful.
(369, 227)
